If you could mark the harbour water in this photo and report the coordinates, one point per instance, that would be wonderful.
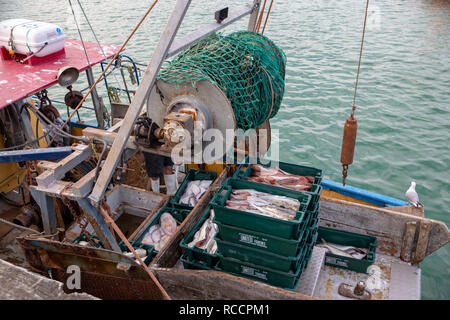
(403, 101)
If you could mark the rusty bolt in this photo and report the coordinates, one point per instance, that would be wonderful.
(360, 288)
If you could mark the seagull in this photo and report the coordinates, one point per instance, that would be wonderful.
(412, 195)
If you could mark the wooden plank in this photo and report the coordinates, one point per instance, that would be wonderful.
(83, 187)
(169, 255)
(107, 136)
(116, 126)
(47, 165)
(204, 32)
(211, 285)
(49, 177)
(422, 241)
(139, 99)
(419, 212)
(408, 241)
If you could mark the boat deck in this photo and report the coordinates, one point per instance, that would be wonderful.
(389, 278)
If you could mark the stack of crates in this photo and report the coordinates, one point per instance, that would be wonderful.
(193, 257)
(312, 227)
(263, 248)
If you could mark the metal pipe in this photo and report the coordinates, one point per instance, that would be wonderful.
(95, 99)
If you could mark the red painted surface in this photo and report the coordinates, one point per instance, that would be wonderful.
(18, 81)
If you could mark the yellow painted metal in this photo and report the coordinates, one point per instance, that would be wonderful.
(335, 195)
(11, 174)
(76, 131)
(216, 167)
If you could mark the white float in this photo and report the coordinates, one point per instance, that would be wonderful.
(29, 37)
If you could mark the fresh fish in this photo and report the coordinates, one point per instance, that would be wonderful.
(164, 240)
(159, 234)
(335, 250)
(140, 252)
(346, 251)
(278, 177)
(194, 191)
(168, 223)
(204, 237)
(156, 235)
(266, 204)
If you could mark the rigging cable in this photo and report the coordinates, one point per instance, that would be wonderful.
(109, 64)
(351, 125)
(267, 17)
(98, 42)
(258, 23)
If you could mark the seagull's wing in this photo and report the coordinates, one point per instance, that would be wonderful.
(412, 196)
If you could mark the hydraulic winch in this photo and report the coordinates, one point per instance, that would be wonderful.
(223, 83)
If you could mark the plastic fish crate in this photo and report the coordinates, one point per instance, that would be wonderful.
(245, 171)
(196, 254)
(286, 280)
(188, 263)
(264, 241)
(313, 227)
(310, 246)
(150, 250)
(287, 229)
(348, 239)
(192, 175)
(178, 214)
(260, 257)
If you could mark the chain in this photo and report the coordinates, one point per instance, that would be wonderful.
(80, 219)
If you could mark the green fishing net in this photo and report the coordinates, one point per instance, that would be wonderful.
(247, 66)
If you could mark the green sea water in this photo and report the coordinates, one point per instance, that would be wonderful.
(403, 101)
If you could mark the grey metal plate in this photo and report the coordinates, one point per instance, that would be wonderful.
(404, 282)
(309, 277)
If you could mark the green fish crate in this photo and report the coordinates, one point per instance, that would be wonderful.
(245, 171)
(150, 251)
(192, 175)
(285, 280)
(313, 227)
(260, 257)
(194, 253)
(287, 229)
(259, 240)
(178, 214)
(264, 241)
(189, 263)
(310, 245)
(348, 239)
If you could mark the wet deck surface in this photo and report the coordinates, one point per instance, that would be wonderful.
(388, 278)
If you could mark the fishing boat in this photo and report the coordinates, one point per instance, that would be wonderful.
(62, 179)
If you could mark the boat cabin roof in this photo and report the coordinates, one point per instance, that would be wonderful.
(18, 81)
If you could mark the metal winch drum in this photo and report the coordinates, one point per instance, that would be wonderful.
(199, 107)
(233, 81)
